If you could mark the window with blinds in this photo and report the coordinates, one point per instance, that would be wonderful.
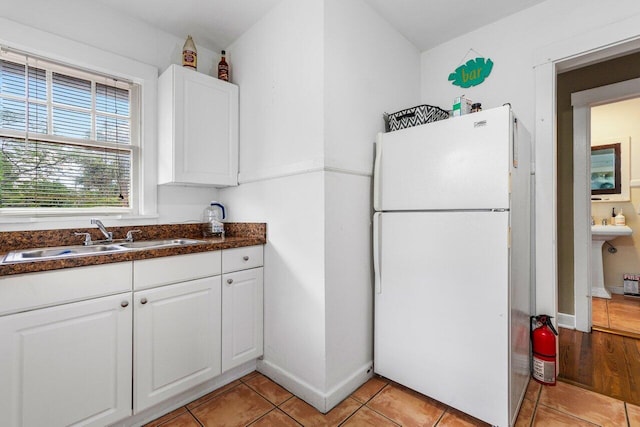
(65, 138)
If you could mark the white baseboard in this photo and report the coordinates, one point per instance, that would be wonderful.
(616, 289)
(320, 400)
(350, 384)
(567, 321)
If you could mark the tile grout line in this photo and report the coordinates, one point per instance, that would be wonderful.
(193, 416)
(373, 397)
(265, 397)
(388, 383)
(275, 406)
(287, 414)
(285, 401)
(352, 414)
(626, 414)
(167, 420)
(212, 397)
(441, 416)
(535, 403)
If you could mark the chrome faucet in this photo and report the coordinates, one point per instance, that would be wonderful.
(107, 234)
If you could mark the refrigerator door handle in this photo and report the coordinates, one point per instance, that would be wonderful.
(376, 173)
(376, 253)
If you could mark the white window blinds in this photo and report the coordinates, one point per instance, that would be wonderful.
(65, 137)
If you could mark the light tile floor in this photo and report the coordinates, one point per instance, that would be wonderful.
(256, 401)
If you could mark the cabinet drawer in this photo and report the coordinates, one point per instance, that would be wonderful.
(36, 290)
(149, 273)
(241, 258)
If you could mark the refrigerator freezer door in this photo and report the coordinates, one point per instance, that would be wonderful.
(459, 163)
(442, 314)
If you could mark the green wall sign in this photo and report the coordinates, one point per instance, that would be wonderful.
(471, 73)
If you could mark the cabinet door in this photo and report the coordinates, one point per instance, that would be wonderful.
(204, 113)
(242, 325)
(176, 339)
(67, 365)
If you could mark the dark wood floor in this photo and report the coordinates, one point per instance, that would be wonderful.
(602, 362)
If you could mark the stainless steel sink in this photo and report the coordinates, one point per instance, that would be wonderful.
(45, 254)
(153, 244)
(42, 254)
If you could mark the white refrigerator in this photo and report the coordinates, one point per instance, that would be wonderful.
(452, 261)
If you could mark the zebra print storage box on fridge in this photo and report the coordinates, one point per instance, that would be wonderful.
(415, 116)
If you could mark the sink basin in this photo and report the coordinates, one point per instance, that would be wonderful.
(599, 235)
(152, 244)
(42, 254)
(45, 254)
(609, 232)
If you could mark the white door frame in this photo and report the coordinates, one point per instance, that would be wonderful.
(582, 103)
(596, 45)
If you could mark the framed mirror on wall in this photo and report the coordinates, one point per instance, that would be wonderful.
(605, 169)
(610, 170)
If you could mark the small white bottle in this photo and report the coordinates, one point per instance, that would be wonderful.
(620, 219)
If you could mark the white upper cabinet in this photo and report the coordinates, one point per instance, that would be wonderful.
(198, 129)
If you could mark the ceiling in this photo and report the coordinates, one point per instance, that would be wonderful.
(215, 24)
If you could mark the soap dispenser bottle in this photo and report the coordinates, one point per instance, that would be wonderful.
(620, 219)
(612, 221)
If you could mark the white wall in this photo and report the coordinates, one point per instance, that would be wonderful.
(369, 69)
(94, 24)
(278, 65)
(512, 44)
(616, 120)
(610, 123)
(314, 79)
(555, 30)
(294, 311)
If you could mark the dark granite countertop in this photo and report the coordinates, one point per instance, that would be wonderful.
(236, 235)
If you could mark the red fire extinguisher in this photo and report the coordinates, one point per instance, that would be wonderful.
(543, 339)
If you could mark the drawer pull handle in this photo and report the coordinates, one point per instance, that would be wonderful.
(124, 304)
(229, 281)
(143, 301)
(246, 258)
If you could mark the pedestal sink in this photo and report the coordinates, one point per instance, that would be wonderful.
(599, 235)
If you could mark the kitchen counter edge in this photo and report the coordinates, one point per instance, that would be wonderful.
(237, 235)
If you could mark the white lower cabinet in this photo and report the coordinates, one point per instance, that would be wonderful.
(67, 365)
(176, 339)
(242, 325)
(86, 346)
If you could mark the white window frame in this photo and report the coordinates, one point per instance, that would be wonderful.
(9, 54)
(145, 78)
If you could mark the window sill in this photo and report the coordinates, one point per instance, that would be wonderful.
(17, 222)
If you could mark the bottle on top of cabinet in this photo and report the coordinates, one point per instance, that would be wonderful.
(189, 54)
(223, 68)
